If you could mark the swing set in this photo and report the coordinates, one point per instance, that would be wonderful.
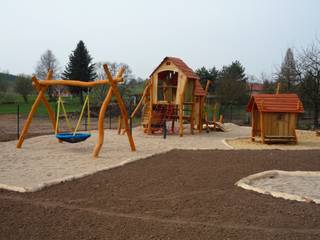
(74, 136)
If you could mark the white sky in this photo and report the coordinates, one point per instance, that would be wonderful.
(142, 32)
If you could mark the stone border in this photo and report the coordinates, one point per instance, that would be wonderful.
(225, 142)
(245, 183)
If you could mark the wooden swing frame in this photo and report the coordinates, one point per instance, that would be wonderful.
(42, 86)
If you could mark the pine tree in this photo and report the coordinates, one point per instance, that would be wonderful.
(80, 68)
(287, 75)
(207, 74)
(232, 84)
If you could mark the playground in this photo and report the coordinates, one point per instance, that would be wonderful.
(177, 175)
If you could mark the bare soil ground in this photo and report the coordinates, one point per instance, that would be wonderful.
(177, 195)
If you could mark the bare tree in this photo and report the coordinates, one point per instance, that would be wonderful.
(99, 92)
(48, 61)
(309, 77)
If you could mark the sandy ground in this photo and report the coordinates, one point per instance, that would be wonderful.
(301, 186)
(43, 161)
(179, 195)
(306, 140)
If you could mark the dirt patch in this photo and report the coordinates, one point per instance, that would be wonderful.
(306, 140)
(178, 195)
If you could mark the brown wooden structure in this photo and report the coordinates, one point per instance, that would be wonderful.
(274, 117)
(42, 86)
(173, 93)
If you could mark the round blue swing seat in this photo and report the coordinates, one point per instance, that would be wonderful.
(73, 138)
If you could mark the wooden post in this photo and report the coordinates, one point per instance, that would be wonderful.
(262, 127)
(145, 92)
(119, 124)
(34, 107)
(181, 108)
(193, 108)
(30, 116)
(253, 130)
(278, 88)
(150, 107)
(200, 114)
(100, 123)
(46, 103)
(113, 90)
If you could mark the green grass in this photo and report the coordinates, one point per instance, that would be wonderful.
(9, 102)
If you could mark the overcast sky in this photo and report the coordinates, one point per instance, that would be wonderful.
(142, 32)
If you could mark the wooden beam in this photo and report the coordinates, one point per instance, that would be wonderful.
(145, 92)
(113, 90)
(278, 88)
(102, 112)
(181, 108)
(262, 127)
(149, 131)
(77, 83)
(193, 108)
(34, 107)
(46, 104)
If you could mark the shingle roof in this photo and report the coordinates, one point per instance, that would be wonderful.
(276, 103)
(181, 65)
(199, 91)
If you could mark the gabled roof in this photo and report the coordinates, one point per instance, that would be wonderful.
(276, 103)
(181, 65)
(199, 91)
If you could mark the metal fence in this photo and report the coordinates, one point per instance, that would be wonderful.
(11, 124)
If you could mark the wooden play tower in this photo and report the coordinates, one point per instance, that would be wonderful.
(173, 93)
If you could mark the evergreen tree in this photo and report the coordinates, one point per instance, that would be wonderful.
(80, 68)
(287, 75)
(207, 74)
(232, 84)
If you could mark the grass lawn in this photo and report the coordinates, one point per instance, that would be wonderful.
(10, 101)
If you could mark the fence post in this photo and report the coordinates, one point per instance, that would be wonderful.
(85, 124)
(18, 121)
(110, 117)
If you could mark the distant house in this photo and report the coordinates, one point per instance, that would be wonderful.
(255, 88)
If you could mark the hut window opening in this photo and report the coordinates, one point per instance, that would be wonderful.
(167, 86)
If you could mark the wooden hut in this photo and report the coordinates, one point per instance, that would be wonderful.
(173, 93)
(274, 117)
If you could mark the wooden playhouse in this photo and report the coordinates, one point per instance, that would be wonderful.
(173, 93)
(274, 117)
